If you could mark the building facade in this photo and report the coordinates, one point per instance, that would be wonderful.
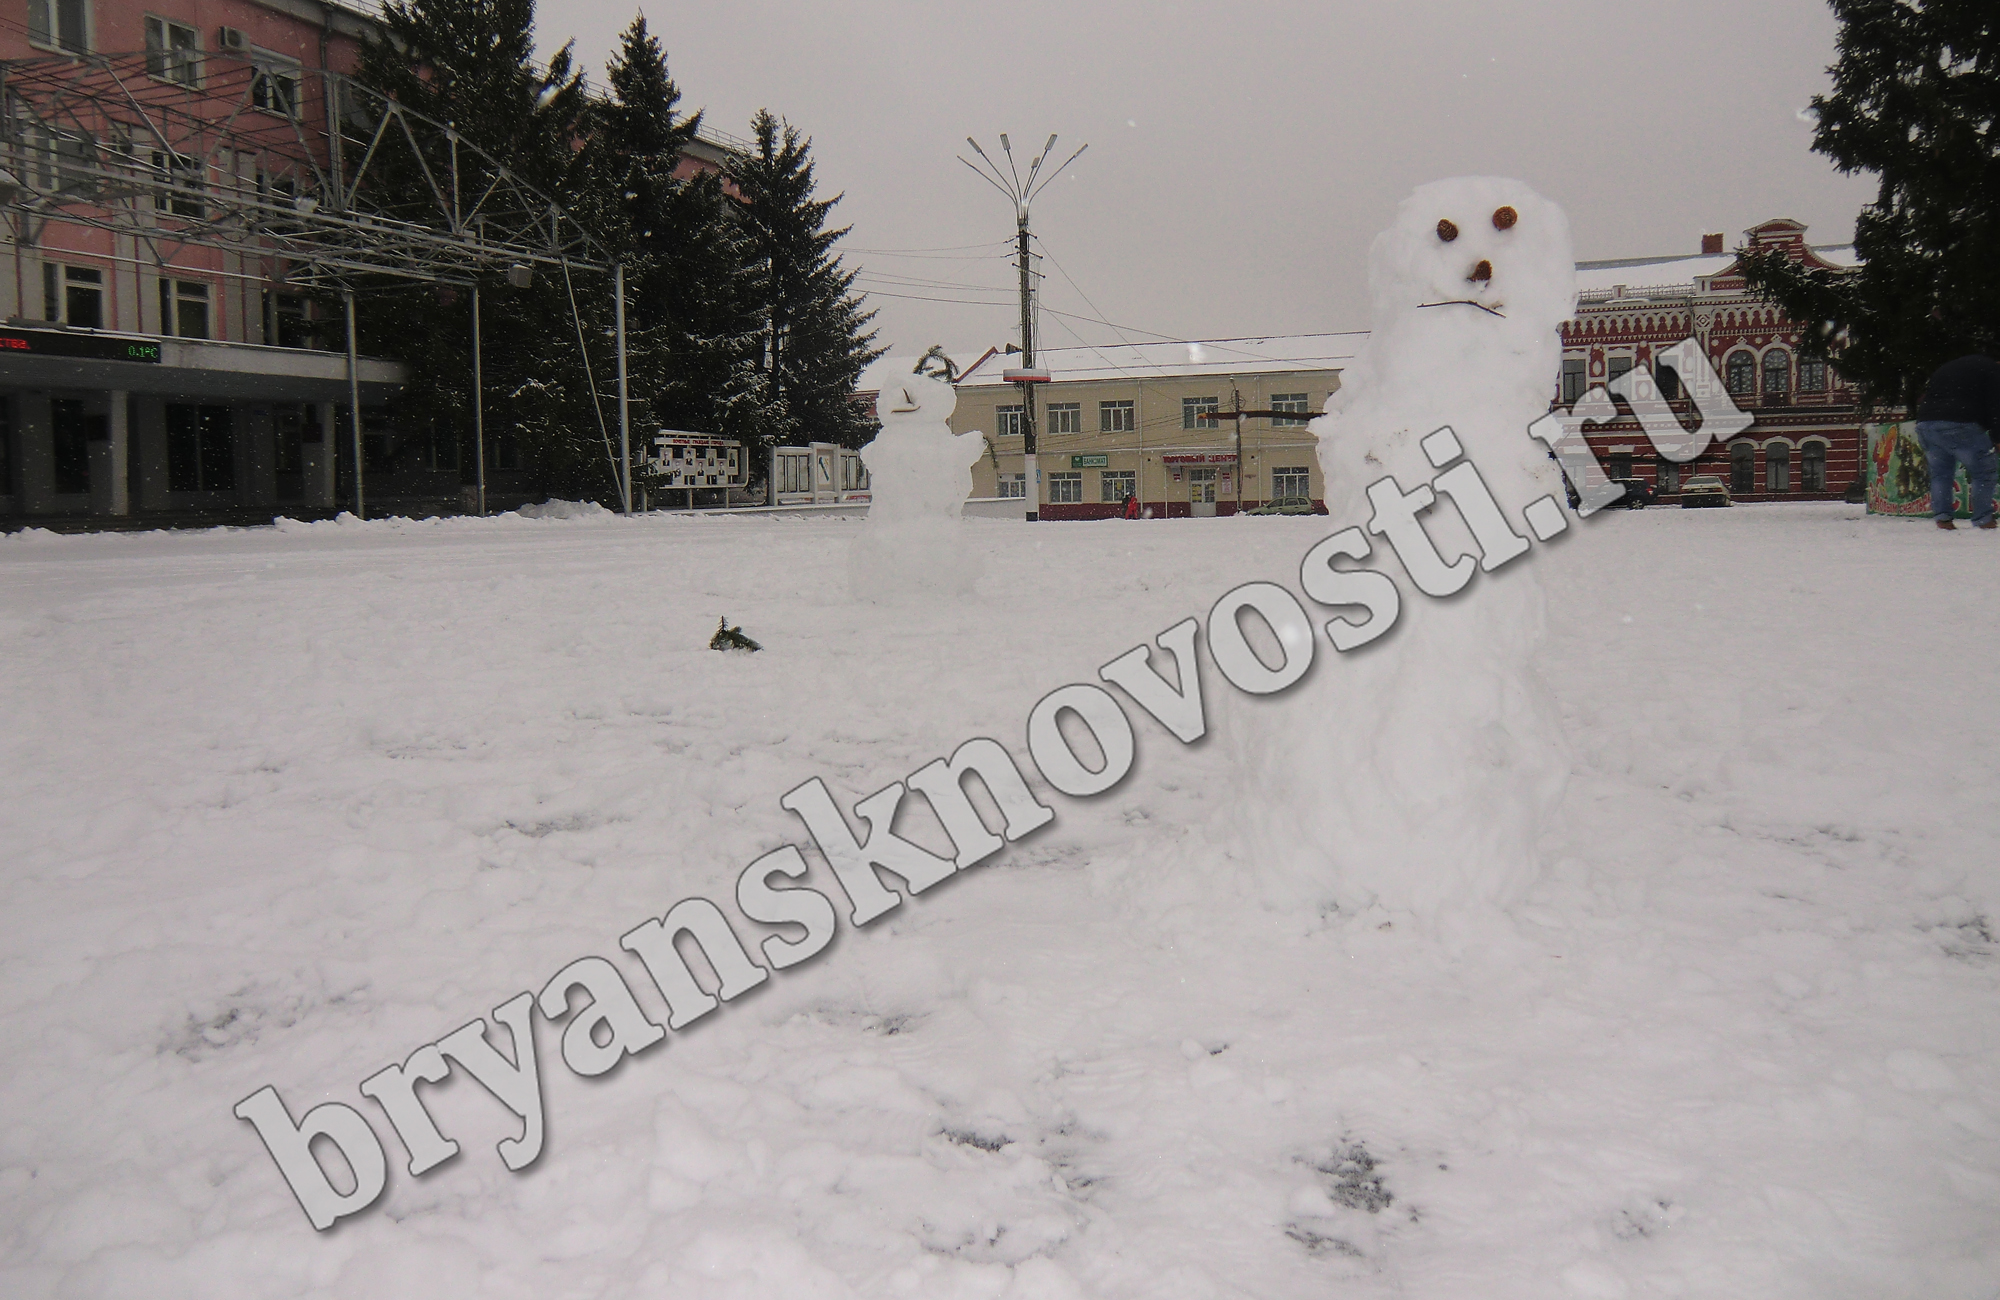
(1155, 421)
(153, 373)
(1804, 442)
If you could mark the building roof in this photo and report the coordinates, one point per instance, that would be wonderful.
(1644, 276)
(1275, 354)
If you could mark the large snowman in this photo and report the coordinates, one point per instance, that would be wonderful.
(1415, 774)
(913, 545)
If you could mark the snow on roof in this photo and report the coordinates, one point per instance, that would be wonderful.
(1639, 274)
(1113, 361)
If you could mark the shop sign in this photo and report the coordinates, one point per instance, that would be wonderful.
(1224, 458)
(1089, 462)
(62, 343)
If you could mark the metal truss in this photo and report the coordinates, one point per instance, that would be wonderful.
(312, 178)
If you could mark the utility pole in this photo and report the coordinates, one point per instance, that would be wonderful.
(1021, 193)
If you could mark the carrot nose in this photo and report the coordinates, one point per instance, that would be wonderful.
(1484, 271)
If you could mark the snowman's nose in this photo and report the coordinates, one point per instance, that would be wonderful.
(1483, 271)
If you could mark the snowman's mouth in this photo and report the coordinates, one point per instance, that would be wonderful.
(1467, 302)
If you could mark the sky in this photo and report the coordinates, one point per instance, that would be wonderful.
(1242, 155)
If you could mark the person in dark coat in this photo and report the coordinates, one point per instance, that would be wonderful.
(1958, 419)
(1131, 505)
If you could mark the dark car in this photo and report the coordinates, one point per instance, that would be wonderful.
(1638, 493)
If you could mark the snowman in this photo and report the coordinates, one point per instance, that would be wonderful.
(1415, 774)
(913, 544)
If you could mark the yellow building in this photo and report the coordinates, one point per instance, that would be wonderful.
(1154, 421)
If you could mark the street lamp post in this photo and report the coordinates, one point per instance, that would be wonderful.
(1021, 192)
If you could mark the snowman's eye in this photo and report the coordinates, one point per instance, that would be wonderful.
(1504, 218)
(1446, 230)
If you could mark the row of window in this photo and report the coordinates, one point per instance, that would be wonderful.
(1778, 461)
(1122, 416)
(173, 52)
(1291, 482)
(1740, 374)
(74, 296)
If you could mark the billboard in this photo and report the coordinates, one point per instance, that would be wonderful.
(1899, 476)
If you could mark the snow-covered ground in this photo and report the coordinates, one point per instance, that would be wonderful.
(284, 805)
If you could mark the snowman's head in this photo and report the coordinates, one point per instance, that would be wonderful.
(905, 395)
(1481, 246)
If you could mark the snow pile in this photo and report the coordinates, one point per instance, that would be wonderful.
(913, 546)
(554, 509)
(1420, 772)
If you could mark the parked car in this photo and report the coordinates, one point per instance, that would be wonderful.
(1284, 506)
(1638, 493)
(1704, 490)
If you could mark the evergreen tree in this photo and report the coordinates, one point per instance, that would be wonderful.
(1916, 100)
(693, 275)
(816, 336)
(470, 64)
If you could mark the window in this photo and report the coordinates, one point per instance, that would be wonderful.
(274, 84)
(184, 308)
(1812, 467)
(1740, 374)
(1007, 421)
(1065, 417)
(1617, 366)
(288, 423)
(1666, 474)
(179, 179)
(1621, 464)
(438, 449)
(1289, 402)
(58, 161)
(1012, 485)
(1115, 417)
(1777, 468)
(1065, 488)
(1199, 412)
(173, 51)
(1667, 380)
(507, 453)
(1291, 483)
(71, 429)
(1812, 375)
(1573, 378)
(286, 324)
(73, 295)
(1743, 467)
(1117, 484)
(1777, 373)
(61, 24)
(201, 449)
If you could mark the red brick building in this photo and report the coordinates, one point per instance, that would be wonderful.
(1804, 442)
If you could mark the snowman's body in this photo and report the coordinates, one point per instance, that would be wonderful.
(913, 543)
(1417, 772)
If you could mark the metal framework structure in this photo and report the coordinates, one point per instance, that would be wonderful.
(303, 177)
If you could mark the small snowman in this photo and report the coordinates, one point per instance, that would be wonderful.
(1416, 774)
(913, 543)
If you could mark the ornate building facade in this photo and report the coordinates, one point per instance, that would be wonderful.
(1804, 442)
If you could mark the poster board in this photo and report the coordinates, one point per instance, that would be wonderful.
(1899, 476)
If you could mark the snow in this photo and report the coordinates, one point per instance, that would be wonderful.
(286, 805)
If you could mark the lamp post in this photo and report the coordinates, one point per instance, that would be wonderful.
(1021, 192)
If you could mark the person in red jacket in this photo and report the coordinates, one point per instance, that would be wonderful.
(1131, 505)
(1958, 420)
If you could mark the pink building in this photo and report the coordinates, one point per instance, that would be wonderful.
(146, 371)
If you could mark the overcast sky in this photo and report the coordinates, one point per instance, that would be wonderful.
(1242, 155)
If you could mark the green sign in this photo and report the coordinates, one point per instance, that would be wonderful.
(1089, 462)
(62, 343)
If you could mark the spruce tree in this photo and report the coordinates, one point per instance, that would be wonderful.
(1915, 100)
(816, 336)
(470, 64)
(692, 273)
